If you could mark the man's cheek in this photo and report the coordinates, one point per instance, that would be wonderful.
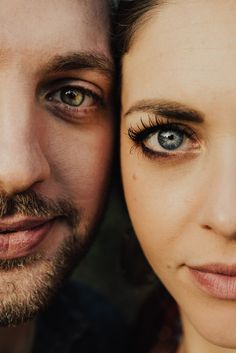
(87, 178)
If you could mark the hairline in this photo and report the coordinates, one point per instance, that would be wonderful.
(141, 22)
(130, 20)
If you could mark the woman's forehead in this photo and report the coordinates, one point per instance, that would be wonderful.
(188, 24)
(188, 44)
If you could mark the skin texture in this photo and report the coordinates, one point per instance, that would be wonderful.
(183, 205)
(48, 147)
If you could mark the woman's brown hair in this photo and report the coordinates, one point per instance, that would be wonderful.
(157, 321)
(131, 15)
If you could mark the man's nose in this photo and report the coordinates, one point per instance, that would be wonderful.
(218, 211)
(22, 160)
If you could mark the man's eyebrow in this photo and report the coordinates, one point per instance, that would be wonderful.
(79, 61)
(168, 109)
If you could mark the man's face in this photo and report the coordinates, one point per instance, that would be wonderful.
(56, 134)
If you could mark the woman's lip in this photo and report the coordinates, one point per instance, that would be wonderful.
(21, 238)
(217, 268)
(217, 280)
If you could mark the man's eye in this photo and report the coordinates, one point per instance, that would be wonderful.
(73, 96)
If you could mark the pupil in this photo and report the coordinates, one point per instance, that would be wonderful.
(170, 140)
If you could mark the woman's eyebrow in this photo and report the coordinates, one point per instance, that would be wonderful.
(168, 109)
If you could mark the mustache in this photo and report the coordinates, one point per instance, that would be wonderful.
(29, 203)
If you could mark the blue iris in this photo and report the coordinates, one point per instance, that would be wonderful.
(170, 139)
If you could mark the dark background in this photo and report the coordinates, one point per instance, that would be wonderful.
(115, 265)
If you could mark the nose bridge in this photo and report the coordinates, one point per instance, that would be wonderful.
(22, 162)
(219, 206)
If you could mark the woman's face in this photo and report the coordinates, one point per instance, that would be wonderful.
(178, 155)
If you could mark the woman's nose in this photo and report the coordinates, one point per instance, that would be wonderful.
(218, 206)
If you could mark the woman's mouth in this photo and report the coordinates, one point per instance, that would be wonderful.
(217, 280)
(19, 237)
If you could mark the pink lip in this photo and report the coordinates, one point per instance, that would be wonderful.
(218, 280)
(19, 238)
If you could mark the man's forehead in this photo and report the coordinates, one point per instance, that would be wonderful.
(42, 25)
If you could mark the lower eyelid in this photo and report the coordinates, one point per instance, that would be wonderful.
(80, 116)
(174, 155)
(58, 104)
(64, 109)
(166, 156)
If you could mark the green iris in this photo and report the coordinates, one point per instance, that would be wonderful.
(72, 96)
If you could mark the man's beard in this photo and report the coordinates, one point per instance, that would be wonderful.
(28, 283)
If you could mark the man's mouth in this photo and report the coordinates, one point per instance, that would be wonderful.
(20, 237)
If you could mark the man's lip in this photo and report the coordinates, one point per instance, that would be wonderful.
(216, 268)
(22, 225)
(22, 238)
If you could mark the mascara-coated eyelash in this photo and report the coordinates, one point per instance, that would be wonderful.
(141, 131)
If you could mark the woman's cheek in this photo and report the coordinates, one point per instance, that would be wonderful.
(162, 202)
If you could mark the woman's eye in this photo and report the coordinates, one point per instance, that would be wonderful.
(74, 97)
(166, 138)
(161, 138)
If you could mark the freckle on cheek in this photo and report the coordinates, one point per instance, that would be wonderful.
(134, 177)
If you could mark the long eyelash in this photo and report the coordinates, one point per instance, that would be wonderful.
(143, 129)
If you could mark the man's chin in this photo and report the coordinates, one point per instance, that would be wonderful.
(28, 284)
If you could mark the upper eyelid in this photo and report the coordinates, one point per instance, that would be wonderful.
(97, 99)
(79, 88)
(139, 133)
(156, 122)
(57, 84)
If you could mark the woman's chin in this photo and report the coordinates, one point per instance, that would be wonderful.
(222, 336)
(213, 324)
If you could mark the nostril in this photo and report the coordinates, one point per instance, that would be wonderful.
(207, 227)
